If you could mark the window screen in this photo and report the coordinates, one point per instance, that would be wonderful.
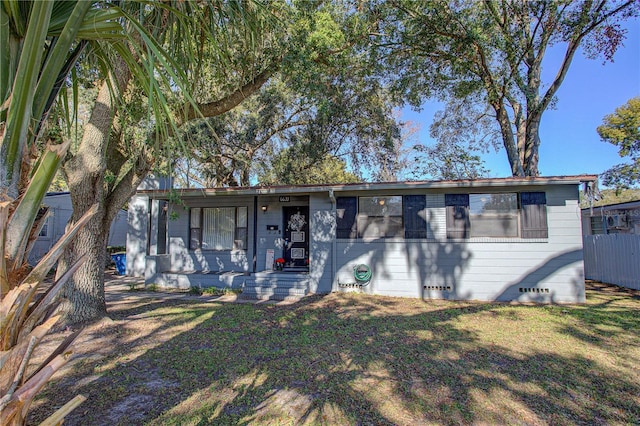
(380, 217)
(346, 210)
(218, 228)
(458, 224)
(493, 215)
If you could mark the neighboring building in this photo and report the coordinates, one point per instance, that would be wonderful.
(60, 211)
(508, 239)
(612, 243)
(620, 218)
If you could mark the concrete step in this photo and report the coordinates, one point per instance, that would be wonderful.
(276, 287)
(273, 293)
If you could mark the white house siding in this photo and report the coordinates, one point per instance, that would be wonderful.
(138, 218)
(322, 230)
(489, 269)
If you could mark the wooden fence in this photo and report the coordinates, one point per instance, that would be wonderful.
(613, 259)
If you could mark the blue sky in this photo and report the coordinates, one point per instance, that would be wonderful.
(570, 144)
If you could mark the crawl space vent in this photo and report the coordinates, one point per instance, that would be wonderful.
(350, 285)
(533, 290)
(438, 287)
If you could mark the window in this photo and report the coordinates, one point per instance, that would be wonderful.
(218, 228)
(163, 210)
(346, 211)
(44, 231)
(496, 215)
(493, 215)
(195, 234)
(457, 206)
(380, 217)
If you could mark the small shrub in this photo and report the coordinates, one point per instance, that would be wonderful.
(216, 291)
(195, 291)
(151, 287)
(133, 287)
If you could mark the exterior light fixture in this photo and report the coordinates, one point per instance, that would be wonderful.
(264, 209)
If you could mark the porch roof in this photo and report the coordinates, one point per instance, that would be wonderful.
(507, 182)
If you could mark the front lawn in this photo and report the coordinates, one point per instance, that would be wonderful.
(356, 359)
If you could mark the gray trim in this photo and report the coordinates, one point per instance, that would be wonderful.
(381, 186)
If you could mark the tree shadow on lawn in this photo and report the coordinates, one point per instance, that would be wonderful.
(339, 359)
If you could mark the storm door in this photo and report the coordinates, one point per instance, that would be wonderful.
(296, 236)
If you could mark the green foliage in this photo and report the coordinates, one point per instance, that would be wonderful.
(489, 55)
(462, 133)
(216, 291)
(449, 162)
(297, 166)
(611, 196)
(324, 100)
(622, 129)
(195, 291)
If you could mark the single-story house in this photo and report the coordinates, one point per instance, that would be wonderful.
(504, 239)
(60, 210)
(619, 218)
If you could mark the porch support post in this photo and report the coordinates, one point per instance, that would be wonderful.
(255, 233)
(334, 246)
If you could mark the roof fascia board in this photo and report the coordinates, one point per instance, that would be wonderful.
(383, 186)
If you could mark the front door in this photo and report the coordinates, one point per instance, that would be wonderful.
(296, 236)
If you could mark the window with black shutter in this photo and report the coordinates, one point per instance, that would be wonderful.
(346, 210)
(415, 225)
(458, 224)
(534, 215)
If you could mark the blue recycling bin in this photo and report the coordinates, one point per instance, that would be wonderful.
(120, 259)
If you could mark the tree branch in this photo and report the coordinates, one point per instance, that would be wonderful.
(213, 109)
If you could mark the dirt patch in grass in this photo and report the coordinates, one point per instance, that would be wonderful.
(356, 359)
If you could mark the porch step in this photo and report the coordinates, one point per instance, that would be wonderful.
(276, 287)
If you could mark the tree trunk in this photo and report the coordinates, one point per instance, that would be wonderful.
(532, 146)
(83, 296)
(508, 140)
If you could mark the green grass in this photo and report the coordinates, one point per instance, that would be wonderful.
(356, 359)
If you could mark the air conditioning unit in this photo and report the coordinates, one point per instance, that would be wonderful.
(617, 221)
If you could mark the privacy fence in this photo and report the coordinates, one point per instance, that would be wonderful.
(613, 259)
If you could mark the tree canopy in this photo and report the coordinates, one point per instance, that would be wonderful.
(324, 100)
(489, 54)
(622, 128)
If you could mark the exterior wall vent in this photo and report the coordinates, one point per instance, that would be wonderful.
(437, 287)
(350, 285)
(533, 290)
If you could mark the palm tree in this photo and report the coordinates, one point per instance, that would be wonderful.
(41, 43)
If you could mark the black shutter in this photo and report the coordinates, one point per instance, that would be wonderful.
(534, 215)
(346, 210)
(458, 225)
(415, 225)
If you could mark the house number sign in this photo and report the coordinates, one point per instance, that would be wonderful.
(285, 198)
